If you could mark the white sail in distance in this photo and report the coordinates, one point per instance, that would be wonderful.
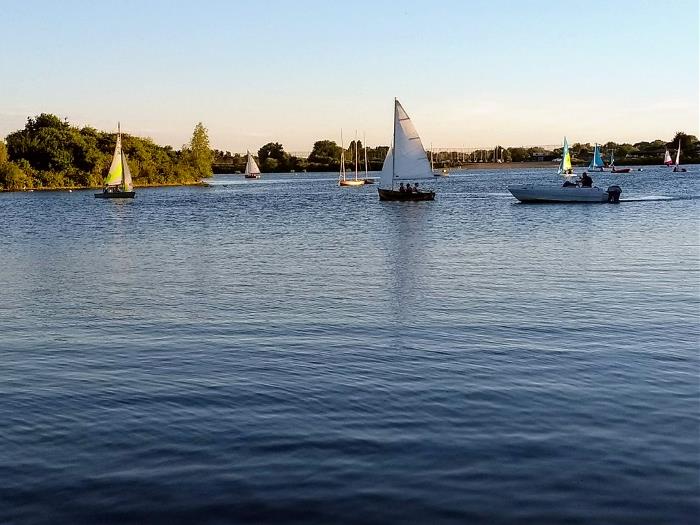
(251, 167)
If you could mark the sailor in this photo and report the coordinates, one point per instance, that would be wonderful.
(401, 188)
(415, 188)
(585, 181)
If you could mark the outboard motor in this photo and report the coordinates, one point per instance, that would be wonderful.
(614, 194)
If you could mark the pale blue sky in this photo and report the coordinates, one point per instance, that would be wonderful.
(470, 73)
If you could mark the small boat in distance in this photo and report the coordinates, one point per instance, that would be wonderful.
(597, 163)
(251, 168)
(612, 165)
(406, 160)
(367, 179)
(342, 177)
(118, 184)
(667, 159)
(677, 168)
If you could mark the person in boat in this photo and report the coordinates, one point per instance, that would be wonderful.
(401, 188)
(585, 181)
(568, 183)
(415, 188)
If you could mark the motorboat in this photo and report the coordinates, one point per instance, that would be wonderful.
(569, 193)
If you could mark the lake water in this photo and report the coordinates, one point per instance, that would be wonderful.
(285, 350)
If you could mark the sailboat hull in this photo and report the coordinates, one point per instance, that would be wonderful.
(116, 195)
(393, 195)
(621, 170)
(251, 176)
(358, 182)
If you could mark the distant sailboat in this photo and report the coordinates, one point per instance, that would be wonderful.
(565, 164)
(343, 180)
(677, 167)
(597, 163)
(251, 168)
(118, 184)
(667, 158)
(612, 164)
(406, 160)
(367, 179)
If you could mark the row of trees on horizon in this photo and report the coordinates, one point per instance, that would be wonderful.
(51, 153)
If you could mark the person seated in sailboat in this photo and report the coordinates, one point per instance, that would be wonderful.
(585, 181)
(568, 183)
(401, 188)
(415, 188)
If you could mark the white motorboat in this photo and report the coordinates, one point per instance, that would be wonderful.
(541, 193)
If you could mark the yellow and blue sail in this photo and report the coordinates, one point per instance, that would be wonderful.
(565, 165)
(597, 160)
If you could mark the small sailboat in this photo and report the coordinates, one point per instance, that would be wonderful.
(251, 168)
(677, 168)
(597, 163)
(118, 184)
(406, 160)
(565, 167)
(612, 164)
(343, 180)
(569, 192)
(667, 159)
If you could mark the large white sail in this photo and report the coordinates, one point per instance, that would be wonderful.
(251, 167)
(407, 159)
(678, 153)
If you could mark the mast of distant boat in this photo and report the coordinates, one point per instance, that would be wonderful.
(393, 145)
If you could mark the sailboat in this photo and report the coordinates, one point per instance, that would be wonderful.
(612, 164)
(406, 160)
(343, 180)
(676, 167)
(367, 179)
(565, 167)
(597, 163)
(251, 168)
(667, 158)
(118, 184)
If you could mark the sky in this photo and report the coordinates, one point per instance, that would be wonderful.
(469, 73)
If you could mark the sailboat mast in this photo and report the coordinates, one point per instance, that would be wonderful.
(121, 151)
(355, 154)
(342, 155)
(431, 156)
(364, 145)
(393, 143)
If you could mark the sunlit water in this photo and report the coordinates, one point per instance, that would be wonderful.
(285, 350)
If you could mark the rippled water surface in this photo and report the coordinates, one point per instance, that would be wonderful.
(284, 350)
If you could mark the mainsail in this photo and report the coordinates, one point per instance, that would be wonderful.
(565, 164)
(597, 160)
(119, 173)
(406, 159)
(678, 153)
(251, 167)
(667, 158)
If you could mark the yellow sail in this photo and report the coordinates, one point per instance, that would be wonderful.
(116, 170)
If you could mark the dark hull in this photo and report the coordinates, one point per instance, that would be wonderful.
(621, 170)
(252, 176)
(116, 195)
(392, 195)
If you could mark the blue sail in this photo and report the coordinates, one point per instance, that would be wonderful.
(597, 160)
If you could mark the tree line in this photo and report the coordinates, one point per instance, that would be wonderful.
(51, 153)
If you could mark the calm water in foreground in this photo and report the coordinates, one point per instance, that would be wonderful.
(284, 350)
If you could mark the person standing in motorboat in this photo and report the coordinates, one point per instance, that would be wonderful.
(585, 181)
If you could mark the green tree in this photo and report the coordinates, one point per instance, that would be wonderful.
(325, 152)
(200, 153)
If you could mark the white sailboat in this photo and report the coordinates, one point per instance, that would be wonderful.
(118, 184)
(405, 161)
(676, 166)
(343, 179)
(251, 168)
(667, 158)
